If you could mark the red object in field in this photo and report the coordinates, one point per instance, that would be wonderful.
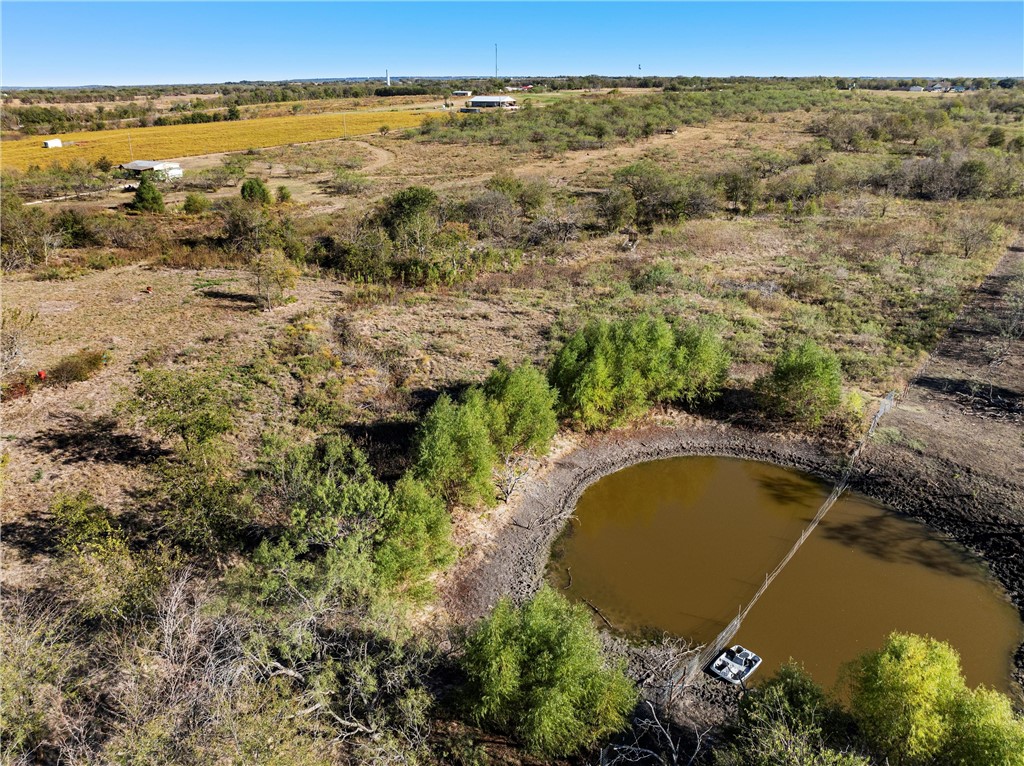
(42, 374)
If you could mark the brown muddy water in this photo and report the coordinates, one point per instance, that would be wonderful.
(679, 545)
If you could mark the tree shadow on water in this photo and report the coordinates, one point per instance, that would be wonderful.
(890, 539)
(787, 491)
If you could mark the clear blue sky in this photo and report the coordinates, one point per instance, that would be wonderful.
(146, 43)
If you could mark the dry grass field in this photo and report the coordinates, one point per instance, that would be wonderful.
(409, 266)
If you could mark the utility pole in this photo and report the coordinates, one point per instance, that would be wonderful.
(495, 61)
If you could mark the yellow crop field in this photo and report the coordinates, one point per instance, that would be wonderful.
(165, 142)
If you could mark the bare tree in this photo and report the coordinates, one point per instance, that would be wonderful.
(971, 235)
(906, 245)
(654, 739)
(510, 474)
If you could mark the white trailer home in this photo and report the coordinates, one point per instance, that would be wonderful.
(160, 169)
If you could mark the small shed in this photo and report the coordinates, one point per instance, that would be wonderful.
(52, 143)
(160, 169)
(463, 93)
(492, 102)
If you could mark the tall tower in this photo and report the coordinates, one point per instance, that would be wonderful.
(387, 77)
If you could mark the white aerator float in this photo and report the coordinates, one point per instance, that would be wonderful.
(734, 665)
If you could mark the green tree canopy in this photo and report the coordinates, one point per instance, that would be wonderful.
(415, 537)
(148, 198)
(805, 384)
(521, 409)
(455, 456)
(609, 372)
(254, 190)
(538, 672)
(403, 206)
(913, 707)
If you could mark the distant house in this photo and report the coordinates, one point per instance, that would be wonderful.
(53, 143)
(160, 169)
(959, 89)
(492, 102)
(916, 89)
(462, 93)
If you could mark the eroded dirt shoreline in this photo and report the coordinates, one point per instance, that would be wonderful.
(514, 561)
(951, 459)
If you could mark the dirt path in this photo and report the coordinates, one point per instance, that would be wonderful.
(379, 157)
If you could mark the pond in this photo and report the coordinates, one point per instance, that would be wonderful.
(679, 545)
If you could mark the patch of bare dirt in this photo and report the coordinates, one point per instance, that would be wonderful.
(63, 438)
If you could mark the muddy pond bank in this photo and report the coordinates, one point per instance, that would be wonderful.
(974, 510)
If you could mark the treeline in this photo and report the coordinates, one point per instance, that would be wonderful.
(709, 97)
(849, 121)
(243, 93)
(51, 119)
(595, 123)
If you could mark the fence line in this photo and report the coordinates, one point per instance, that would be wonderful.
(690, 670)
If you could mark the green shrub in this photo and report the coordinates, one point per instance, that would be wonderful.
(805, 384)
(788, 720)
(657, 276)
(617, 206)
(610, 372)
(255, 191)
(912, 706)
(529, 195)
(521, 409)
(102, 261)
(348, 182)
(75, 229)
(996, 137)
(148, 198)
(203, 504)
(658, 195)
(283, 195)
(193, 406)
(415, 538)
(335, 508)
(77, 367)
(196, 203)
(403, 206)
(97, 568)
(455, 457)
(538, 672)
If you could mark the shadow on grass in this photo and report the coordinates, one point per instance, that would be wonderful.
(73, 438)
(230, 300)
